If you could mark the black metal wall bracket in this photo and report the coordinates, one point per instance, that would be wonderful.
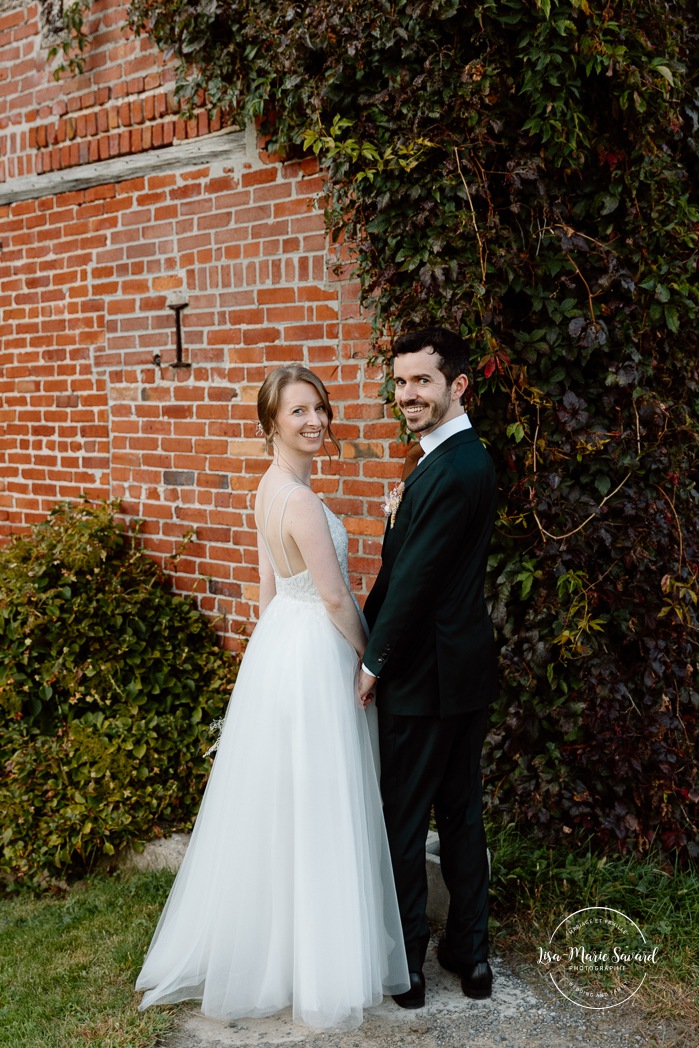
(178, 362)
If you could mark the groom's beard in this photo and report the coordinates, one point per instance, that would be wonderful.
(431, 417)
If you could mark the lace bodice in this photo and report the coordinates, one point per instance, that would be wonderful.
(301, 585)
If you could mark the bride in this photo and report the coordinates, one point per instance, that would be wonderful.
(286, 895)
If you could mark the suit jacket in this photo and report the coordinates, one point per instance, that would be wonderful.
(431, 642)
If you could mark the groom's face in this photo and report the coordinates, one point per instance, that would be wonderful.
(423, 394)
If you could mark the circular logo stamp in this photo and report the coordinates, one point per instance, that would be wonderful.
(597, 957)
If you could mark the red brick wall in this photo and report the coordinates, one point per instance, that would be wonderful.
(86, 273)
(124, 103)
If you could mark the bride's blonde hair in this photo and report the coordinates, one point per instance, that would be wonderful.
(270, 395)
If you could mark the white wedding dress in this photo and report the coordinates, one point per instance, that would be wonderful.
(285, 896)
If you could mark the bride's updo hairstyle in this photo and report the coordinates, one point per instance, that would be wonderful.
(270, 395)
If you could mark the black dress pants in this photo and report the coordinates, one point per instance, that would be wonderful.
(426, 761)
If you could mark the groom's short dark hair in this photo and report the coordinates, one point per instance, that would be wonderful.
(452, 350)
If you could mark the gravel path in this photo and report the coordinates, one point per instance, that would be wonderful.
(520, 1014)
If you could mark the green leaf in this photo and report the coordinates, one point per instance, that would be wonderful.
(609, 204)
(664, 71)
(603, 484)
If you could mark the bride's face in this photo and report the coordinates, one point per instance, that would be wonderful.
(302, 421)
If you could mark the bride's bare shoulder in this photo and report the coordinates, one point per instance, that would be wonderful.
(291, 494)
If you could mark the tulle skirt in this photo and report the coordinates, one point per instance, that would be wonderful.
(286, 895)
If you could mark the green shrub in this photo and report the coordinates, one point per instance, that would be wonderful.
(108, 682)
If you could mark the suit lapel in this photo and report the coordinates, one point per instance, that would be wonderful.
(462, 439)
(466, 436)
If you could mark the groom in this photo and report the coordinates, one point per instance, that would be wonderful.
(432, 650)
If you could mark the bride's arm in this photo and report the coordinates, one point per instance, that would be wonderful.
(306, 523)
(267, 585)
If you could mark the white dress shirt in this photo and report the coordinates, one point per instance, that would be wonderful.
(432, 440)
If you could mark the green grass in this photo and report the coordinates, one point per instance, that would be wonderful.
(68, 965)
(534, 888)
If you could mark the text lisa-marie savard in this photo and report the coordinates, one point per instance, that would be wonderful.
(583, 956)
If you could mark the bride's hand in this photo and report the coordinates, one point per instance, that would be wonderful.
(366, 688)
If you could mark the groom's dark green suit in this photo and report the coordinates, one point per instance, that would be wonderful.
(432, 648)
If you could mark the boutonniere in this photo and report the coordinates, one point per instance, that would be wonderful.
(390, 506)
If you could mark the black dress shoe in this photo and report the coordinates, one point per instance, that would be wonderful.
(478, 983)
(415, 996)
(476, 980)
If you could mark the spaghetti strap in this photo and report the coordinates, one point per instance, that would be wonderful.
(263, 529)
(281, 522)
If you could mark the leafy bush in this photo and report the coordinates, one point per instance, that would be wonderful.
(527, 171)
(108, 682)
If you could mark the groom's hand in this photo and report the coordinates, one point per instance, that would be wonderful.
(365, 688)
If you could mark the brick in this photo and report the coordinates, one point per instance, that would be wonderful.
(372, 410)
(256, 336)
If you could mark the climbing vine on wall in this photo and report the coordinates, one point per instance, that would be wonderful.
(526, 171)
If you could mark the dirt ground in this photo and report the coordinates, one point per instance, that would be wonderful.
(525, 1011)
